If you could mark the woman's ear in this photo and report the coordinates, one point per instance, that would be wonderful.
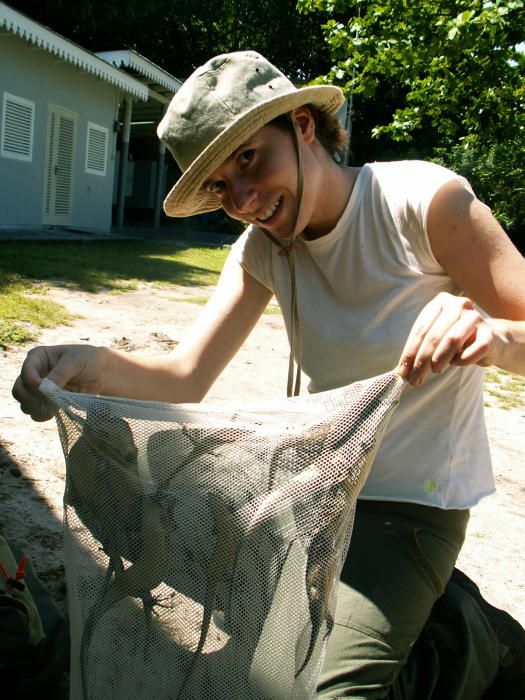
(303, 118)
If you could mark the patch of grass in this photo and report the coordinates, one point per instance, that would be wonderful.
(12, 333)
(27, 268)
(21, 316)
(515, 383)
(202, 300)
(273, 310)
(101, 265)
(492, 375)
(507, 389)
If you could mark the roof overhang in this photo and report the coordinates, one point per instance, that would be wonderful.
(47, 40)
(160, 82)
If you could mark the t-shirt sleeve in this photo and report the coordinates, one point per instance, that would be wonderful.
(409, 189)
(253, 250)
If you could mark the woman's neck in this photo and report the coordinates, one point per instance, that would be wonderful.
(335, 187)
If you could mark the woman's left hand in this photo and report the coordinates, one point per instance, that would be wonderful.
(448, 331)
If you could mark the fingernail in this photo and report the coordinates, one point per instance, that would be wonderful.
(415, 379)
(402, 369)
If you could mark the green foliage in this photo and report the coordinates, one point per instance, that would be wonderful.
(497, 174)
(453, 63)
(438, 79)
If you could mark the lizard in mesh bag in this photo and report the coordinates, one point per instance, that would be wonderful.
(273, 507)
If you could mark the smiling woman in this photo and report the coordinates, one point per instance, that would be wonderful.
(378, 267)
(266, 154)
(258, 182)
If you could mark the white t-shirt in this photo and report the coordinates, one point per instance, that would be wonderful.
(359, 290)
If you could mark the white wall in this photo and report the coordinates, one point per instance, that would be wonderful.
(36, 75)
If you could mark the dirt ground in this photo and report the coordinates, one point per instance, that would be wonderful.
(152, 320)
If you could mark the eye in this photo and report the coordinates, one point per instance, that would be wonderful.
(246, 156)
(216, 187)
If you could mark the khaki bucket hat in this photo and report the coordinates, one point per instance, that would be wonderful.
(219, 107)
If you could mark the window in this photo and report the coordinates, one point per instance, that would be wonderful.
(96, 149)
(17, 128)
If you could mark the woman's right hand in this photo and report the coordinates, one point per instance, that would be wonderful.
(73, 367)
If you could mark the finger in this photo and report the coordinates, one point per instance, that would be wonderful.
(66, 369)
(24, 396)
(56, 364)
(455, 340)
(478, 350)
(43, 411)
(25, 389)
(32, 403)
(422, 324)
(34, 368)
(428, 333)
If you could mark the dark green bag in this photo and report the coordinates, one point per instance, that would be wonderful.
(34, 639)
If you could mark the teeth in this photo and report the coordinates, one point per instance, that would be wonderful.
(270, 211)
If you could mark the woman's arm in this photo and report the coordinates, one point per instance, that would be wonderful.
(185, 375)
(475, 251)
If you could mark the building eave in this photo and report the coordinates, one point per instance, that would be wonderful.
(65, 50)
(133, 60)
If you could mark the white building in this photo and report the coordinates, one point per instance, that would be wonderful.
(78, 145)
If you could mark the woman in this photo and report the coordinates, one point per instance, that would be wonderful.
(373, 267)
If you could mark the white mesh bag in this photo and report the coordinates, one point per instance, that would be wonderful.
(204, 543)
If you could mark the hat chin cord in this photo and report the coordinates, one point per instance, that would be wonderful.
(288, 249)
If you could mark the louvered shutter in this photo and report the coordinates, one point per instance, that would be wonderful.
(66, 133)
(17, 128)
(48, 201)
(96, 149)
(58, 195)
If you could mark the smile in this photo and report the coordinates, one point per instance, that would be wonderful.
(268, 213)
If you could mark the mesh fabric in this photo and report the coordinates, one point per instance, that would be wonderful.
(204, 543)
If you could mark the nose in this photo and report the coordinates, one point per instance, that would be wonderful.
(242, 195)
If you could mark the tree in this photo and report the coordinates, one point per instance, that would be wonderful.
(436, 78)
(453, 63)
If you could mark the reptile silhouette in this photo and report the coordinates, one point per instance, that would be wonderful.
(216, 570)
(102, 486)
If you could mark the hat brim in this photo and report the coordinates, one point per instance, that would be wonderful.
(187, 198)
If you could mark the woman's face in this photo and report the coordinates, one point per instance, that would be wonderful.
(258, 182)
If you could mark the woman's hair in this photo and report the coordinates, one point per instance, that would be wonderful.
(328, 130)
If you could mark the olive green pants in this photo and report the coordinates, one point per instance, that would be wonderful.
(391, 639)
